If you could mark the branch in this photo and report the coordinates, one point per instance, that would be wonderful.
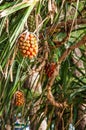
(44, 60)
(67, 52)
(49, 94)
(52, 79)
(54, 28)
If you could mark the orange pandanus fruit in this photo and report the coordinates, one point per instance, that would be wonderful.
(19, 98)
(28, 44)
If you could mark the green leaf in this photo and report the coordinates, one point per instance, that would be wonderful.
(14, 8)
(79, 91)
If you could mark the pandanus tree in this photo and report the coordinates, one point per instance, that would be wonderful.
(43, 63)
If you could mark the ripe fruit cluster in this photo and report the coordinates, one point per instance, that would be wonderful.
(49, 69)
(28, 45)
(19, 98)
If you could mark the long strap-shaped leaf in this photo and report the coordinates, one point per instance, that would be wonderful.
(17, 7)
